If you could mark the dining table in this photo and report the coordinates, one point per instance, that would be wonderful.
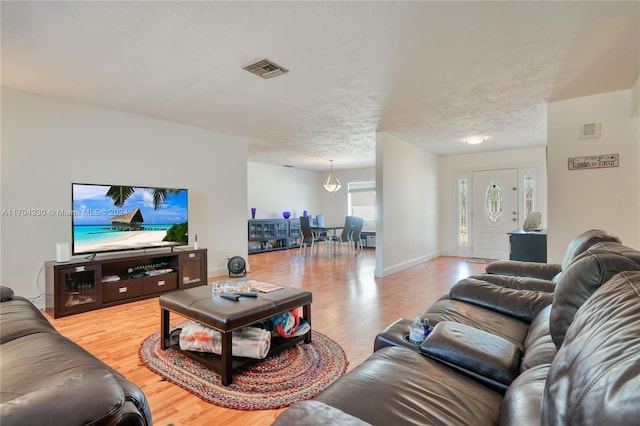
(328, 228)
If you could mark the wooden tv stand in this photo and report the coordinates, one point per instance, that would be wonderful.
(83, 285)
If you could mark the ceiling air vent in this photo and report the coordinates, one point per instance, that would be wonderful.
(265, 69)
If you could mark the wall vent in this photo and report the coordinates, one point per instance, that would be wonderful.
(265, 69)
(590, 130)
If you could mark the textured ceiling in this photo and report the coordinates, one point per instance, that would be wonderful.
(431, 73)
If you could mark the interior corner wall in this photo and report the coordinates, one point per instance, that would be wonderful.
(407, 186)
(49, 143)
(602, 198)
(272, 190)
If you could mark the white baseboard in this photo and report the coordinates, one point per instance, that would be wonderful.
(410, 263)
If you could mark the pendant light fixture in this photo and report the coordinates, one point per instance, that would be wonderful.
(333, 183)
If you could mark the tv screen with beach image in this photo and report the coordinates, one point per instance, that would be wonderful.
(113, 218)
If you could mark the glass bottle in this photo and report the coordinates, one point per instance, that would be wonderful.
(416, 331)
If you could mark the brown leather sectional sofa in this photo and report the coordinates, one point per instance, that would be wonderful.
(46, 379)
(508, 350)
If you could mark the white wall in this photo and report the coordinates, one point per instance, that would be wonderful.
(48, 143)
(529, 159)
(275, 189)
(334, 206)
(635, 112)
(596, 198)
(407, 186)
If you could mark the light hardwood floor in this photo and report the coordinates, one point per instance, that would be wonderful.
(349, 305)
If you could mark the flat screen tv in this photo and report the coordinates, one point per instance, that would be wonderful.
(112, 218)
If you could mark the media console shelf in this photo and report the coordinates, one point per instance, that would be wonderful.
(83, 285)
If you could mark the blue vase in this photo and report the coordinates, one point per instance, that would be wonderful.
(286, 215)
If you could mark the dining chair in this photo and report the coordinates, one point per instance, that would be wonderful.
(308, 236)
(320, 223)
(345, 236)
(356, 237)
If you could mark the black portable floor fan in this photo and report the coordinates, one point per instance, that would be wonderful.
(237, 267)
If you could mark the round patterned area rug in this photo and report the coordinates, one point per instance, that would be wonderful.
(295, 374)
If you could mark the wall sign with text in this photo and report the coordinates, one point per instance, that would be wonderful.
(594, 162)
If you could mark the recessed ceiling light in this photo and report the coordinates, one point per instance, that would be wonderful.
(474, 140)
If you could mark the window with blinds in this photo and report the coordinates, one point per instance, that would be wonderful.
(362, 199)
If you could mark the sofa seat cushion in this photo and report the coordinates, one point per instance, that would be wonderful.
(539, 348)
(48, 380)
(20, 318)
(505, 326)
(402, 387)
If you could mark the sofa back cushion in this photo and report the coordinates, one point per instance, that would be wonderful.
(583, 277)
(538, 346)
(521, 304)
(20, 318)
(594, 378)
(582, 242)
(522, 401)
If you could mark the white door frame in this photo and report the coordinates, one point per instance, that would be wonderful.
(535, 169)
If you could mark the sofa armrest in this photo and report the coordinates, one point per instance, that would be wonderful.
(486, 357)
(545, 271)
(520, 304)
(6, 294)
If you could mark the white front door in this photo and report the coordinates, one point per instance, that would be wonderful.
(495, 212)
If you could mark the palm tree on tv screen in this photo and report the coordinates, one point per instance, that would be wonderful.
(120, 194)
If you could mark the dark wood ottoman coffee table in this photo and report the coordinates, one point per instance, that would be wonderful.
(198, 304)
